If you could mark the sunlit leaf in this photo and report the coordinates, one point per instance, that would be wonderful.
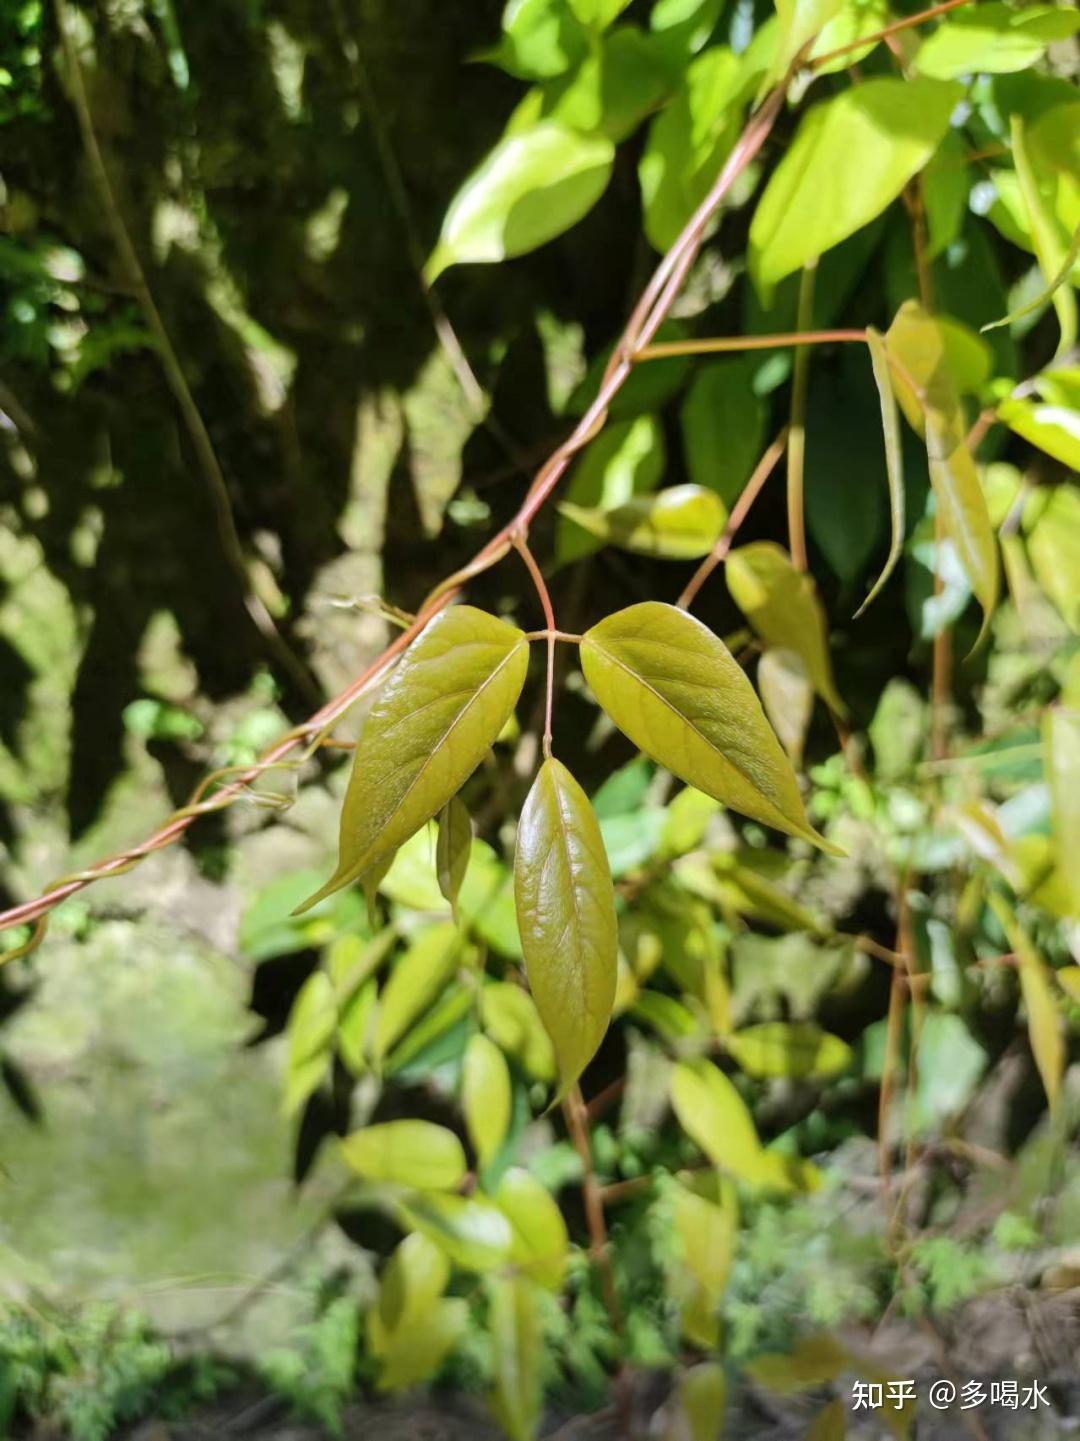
(540, 39)
(675, 690)
(452, 850)
(541, 1244)
(851, 157)
(407, 1153)
(474, 1234)
(511, 1019)
(1053, 428)
(894, 465)
(1044, 295)
(433, 723)
(789, 1048)
(625, 460)
(681, 523)
(686, 820)
(782, 605)
(517, 1344)
(1069, 980)
(355, 1027)
(534, 185)
(486, 1097)
(1050, 247)
(994, 38)
(414, 983)
(800, 21)
(625, 77)
(566, 915)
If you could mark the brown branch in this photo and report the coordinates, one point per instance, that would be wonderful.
(764, 468)
(174, 372)
(640, 330)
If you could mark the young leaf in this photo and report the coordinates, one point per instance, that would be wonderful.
(1050, 249)
(517, 1345)
(681, 523)
(1061, 740)
(437, 717)
(486, 1097)
(407, 1153)
(789, 1048)
(1043, 1018)
(851, 157)
(788, 697)
(541, 1243)
(414, 983)
(452, 849)
(566, 915)
(534, 185)
(894, 463)
(782, 605)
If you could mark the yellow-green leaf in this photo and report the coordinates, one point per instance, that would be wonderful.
(787, 695)
(894, 463)
(815, 1361)
(680, 523)
(830, 1424)
(1061, 740)
(486, 1096)
(407, 1153)
(355, 1026)
(541, 1243)
(566, 915)
(517, 1346)
(686, 820)
(993, 38)
(452, 849)
(1053, 428)
(851, 157)
(789, 1048)
(311, 1026)
(411, 1329)
(705, 1234)
(782, 605)
(674, 688)
(1043, 1017)
(413, 1279)
(511, 1019)
(702, 1397)
(414, 983)
(416, 1355)
(626, 459)
(1050, 247)
(535, 184)
(714, 1116)
(474, 1234)
(1069, 980)
(453, 1005)
(435, 720)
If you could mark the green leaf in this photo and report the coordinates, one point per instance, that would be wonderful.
(1046, 294)
(452, 849)
(723, 427)
(411, 1329)
(541, 39)
(690, 140)
(517, 1346)
(1061, 743)
(311, 1025)
(511, 1019)
(533, 186)
(787, 695)
(414, 983)
(407, 1153)
(541, 1244)
(894, 463)
(993, 38)
(598, 13)
(673, 687)
(851, 157)
(415, 1276)
(486, 1097)
(625, 460)
(686, 821)
(626, 77)
(683, 522)
(789, 1048)
(435, 720)
(474, 1234)
(714, 1116)
(688, 24)
(702, 1397)
(800, 21)
(1050, 248)
(450, 1009)
(566, 915)
(782, 605)
(1043, 1018)
(1069, 980)
(1053, 428)
(856, 20)
(705, 1234)
(355, 1027)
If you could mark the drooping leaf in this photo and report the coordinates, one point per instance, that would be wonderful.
(705, 1234)
(414, 983)
(486, 1097)
(993, 37)
(541, 1243)
(407, 1153)
(517, 1344)
(723, 427)
(683, 522)
(452, 850)
(894, 464)
(625, 460)
(789, 1048)
(1050, 247)
(1061, 741)
(510, 1017)
(534, 185)
(438, 715)
(1043, 1018)
(851, 157)
(566, 915)
(787, 694)
(473, 1233)
(675, 690)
